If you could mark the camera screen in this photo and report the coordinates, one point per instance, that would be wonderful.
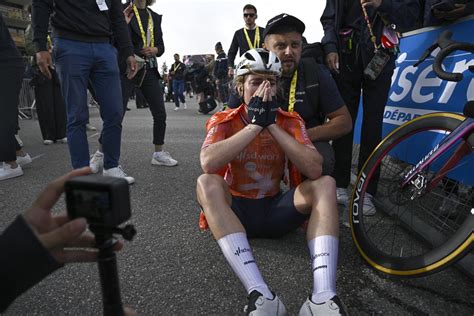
(91, 204)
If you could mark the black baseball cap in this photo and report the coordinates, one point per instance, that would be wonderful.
(283, 19)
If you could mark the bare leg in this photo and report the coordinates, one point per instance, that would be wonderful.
(214, 196)
(318, 198)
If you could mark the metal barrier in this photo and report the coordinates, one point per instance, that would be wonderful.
(27, 102)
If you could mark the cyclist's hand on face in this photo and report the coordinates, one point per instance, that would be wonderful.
(256, 107)
(271, 105)
(332, 61)
(44, 62)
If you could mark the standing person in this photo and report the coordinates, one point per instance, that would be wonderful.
(220, 74)
(11, 75)
(202, 84)
(252, 145)
(49, 100)
(147, 38)
(248, 37)
(350, 46)
(177, 72)
(315, 95)
(83, 32)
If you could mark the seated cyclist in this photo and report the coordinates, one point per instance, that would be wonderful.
(251, 147)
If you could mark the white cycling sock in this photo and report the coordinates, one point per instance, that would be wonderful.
(238, 253)
(323, 251)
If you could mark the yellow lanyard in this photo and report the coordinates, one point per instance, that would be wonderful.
(292, 98)
(150, 28)
(50, 42)
(256, 40)
(176, 67)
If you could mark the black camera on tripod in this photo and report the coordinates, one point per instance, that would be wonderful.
(105, 203)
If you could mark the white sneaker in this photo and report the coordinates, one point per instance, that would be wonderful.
(90, 128)
(23, 160)
(176, 108)
(185, 106)
(369, 207)
(259, 305)
(332, 307)
(97, 161)
(163, 158)
(62, 140)
(118, 173)
(342, 196)
(7, 172)
(48, 142)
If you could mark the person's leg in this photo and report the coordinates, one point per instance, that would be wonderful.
(181, 92)
(127, 88)
(215, 198)
(74, 60)
(105, 78)
(59, 108)
(224, 89)
(375, 95)
(153, 94)
(349, 87)
(10, 85)
(176, 92)
(318, 198)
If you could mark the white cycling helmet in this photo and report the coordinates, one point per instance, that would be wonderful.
(258, 60)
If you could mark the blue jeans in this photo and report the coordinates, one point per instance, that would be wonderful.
(76, 63)
(178, 90)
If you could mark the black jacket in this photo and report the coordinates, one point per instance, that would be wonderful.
(239, 43)
(136, 35)
(82, 21)
(23, 263)
(403, 13)
(220, 68)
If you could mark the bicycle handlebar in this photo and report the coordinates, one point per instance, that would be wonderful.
(447, 46)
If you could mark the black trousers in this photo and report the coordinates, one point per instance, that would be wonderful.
(351, 83)
(140, 99)
(50, 106)
(10, 85)
(153, 93)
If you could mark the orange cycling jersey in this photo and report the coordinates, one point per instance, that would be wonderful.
(256, 172)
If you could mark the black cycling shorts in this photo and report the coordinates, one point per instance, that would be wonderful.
(268, 217)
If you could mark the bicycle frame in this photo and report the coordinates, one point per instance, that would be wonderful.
(462, 131)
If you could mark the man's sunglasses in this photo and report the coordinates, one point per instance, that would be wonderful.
(251, 15)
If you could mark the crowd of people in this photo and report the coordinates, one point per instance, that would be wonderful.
(286, 116)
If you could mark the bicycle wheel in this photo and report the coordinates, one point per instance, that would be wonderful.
(414, 235)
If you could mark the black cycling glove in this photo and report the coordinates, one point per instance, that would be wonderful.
(272, 110)
(257, 112)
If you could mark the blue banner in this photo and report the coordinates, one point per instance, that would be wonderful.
(416, 90)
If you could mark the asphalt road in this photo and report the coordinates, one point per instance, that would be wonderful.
(171, 268)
